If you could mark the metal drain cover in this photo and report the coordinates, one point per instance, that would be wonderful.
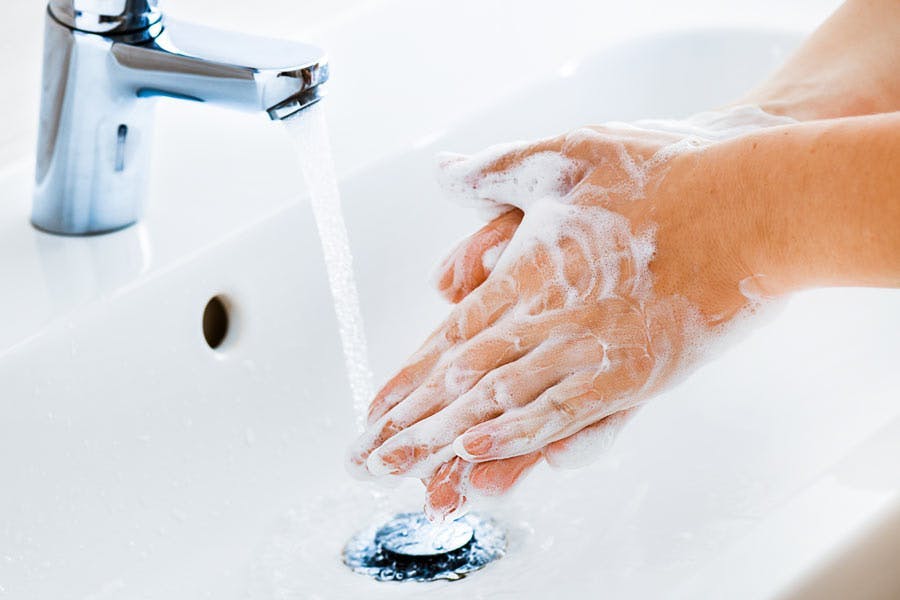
(409, 547)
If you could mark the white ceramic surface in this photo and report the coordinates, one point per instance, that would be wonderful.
(135, 462)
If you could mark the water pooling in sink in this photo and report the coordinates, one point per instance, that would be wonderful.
(370, 552)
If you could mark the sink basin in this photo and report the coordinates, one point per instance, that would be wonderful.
(138, 462)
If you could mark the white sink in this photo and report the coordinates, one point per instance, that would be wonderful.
(136, 462)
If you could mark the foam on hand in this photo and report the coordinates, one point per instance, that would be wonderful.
(569, 309)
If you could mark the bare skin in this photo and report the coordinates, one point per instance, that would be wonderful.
(770, 212)
(847, 68)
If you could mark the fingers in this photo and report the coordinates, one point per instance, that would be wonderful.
(465, 357)
(461, 367)
(465, 322)
(515, 174)
(578, 401)
(582, 448)
(470, 263)
(444, 385)
(404, 382)
(447, 492)
(453, 389)
(457, 482)
(419, 450)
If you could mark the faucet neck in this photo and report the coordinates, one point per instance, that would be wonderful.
(101, 71)
(105, 17)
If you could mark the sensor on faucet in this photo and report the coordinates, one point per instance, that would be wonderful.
(104, 62)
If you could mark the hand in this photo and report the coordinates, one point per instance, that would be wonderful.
(458, 481)
(808, 87)
(568, 330)
(822, 80)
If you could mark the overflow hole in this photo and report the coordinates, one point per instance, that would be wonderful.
(215, 321)
(121, 134)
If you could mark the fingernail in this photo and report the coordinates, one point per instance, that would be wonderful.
(376, 465)
(477, 445)
(433, 514)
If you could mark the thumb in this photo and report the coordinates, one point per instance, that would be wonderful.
(471, 262)
(514, 174)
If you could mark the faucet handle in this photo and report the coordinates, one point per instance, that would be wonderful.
(108, 17)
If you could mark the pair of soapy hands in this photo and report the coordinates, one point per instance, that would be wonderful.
(595, 283)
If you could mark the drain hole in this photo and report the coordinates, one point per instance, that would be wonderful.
(409, 548)
(215, 321)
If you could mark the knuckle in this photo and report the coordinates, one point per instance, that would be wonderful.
(453, 332)
(564, 407)
(495, 394)
(403, 380)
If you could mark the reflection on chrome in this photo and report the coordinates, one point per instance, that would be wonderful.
(104, 62)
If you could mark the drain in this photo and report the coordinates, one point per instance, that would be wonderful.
(410, 548)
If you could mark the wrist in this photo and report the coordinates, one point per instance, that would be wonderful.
(818, 97)
(752, 224)
(709, 234)
(817, 202)
(845, 69)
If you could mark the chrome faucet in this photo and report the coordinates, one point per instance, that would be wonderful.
(104, 62)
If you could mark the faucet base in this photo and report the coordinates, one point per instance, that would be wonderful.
(59, 231)
(94, 139)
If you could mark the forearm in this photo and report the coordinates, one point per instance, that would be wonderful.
(849, 66)
(823, 202)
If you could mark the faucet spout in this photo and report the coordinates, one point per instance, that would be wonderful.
(104, 62)
(241, 71)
